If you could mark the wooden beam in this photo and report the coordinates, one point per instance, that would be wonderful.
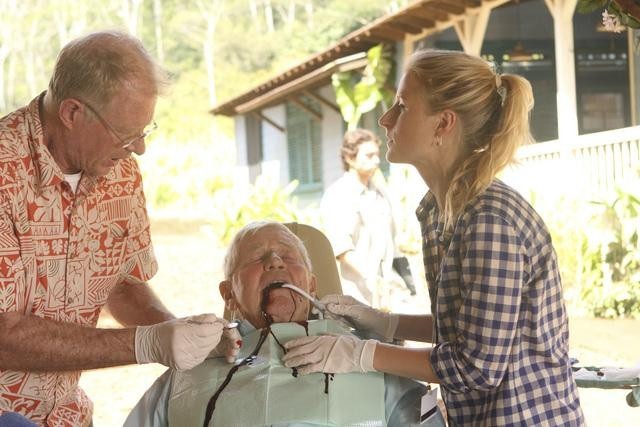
(323, 100)
(314, 114)
(447, 21)
(453, 8)
(472, 3)
(405, 28)
(471, 31)
(388, 32)
(417, 21)
(261, 116)
(432, 12)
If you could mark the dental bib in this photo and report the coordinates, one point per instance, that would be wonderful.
(265, 393)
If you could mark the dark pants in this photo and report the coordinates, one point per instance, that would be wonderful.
(13, 419)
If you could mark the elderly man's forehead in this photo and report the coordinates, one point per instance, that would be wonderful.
(269, 236)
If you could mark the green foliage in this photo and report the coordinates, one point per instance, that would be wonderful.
(612, 258)
(613, 8)
(262, 201)
(589, 6)
(599, 252)
(189, 164)
(178, 176)
(358, 96)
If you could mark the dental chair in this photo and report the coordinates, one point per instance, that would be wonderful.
(323, 262)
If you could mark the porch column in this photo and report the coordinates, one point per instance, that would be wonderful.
(633, 37)
(471, 30)
(562, 13)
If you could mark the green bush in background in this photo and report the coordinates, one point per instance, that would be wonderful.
(611, 253)
(265, 200)
(599, 252)
(181, 178)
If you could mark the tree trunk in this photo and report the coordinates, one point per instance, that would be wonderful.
(3, 101)
(211, 11)
(130, 14)
(209, 57)
(10, 83)
(308, 8)
(70, 20)
(157, 21)
(8, 17)
(253, 10)
(30, 57)
(268, 16)
(291, 14)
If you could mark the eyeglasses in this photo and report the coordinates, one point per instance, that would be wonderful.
(128, 142)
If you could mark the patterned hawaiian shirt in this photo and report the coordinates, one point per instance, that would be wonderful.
(61, 254)
(501, 329)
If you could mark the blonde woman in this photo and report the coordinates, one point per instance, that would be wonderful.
(498, 323)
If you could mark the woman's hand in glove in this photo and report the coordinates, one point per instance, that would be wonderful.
(364, 317)
(336, 354)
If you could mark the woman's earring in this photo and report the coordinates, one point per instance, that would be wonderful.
(438, 140)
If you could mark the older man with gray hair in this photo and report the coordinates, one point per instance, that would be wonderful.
(74, 235)
(267, 271)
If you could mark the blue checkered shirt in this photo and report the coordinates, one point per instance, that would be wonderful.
(501, 329)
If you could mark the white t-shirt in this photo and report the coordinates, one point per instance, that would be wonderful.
(73, 180)
(358, 218)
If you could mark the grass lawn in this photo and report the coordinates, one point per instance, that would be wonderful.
(187, 282)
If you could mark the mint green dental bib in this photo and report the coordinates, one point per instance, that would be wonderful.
(266, 393)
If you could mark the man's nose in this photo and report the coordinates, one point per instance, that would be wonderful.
(137, 147)
(273, 261)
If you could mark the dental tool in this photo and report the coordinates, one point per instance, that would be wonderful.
(320, 306)
(317, 304)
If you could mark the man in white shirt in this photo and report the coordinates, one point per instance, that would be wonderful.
(358, 220)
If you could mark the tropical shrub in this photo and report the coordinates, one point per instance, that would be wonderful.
(611, 254)
(598, 252)
(264, 200)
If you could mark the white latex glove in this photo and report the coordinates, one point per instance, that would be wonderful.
(229, 345)
(364, 317)
(335, 354)
(179, 343)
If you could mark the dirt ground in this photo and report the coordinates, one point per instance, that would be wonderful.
(187, 282)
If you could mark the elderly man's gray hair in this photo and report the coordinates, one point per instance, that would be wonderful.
(231, 259)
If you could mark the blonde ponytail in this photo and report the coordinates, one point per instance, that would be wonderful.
(494, 114)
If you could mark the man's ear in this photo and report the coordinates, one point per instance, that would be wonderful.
(312, 285)
(351, 161)
(69, 112)
(227, 295)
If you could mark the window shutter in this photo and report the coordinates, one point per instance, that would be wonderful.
(304, 136)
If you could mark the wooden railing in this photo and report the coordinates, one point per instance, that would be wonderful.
(589, 165)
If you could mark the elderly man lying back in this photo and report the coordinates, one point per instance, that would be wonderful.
(258, 390)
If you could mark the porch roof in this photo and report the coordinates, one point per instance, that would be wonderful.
(422, 17)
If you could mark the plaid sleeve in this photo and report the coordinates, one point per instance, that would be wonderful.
(491, 274)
